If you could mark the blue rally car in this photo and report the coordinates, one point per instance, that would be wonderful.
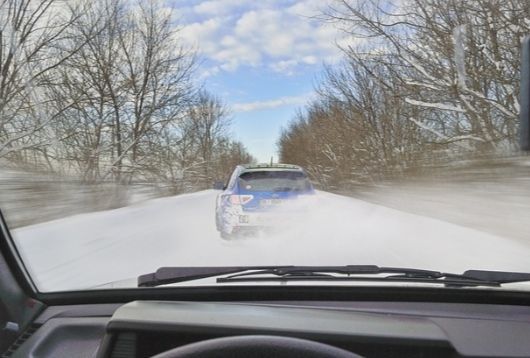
(254, 194)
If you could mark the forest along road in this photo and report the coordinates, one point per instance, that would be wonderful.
(92, 249)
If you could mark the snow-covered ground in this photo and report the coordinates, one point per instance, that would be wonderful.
(92, 249)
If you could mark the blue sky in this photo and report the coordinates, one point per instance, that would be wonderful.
(261, 58)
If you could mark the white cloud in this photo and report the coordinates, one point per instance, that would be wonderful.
(287, 66)
(308, 8)
(217, 7)
(200, 33)
(274, 34)
(269, 104)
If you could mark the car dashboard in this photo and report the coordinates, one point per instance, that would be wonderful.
(369, 329)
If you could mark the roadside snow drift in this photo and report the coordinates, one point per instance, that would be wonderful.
(88, 250)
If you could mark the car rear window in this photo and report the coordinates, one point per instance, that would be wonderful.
(274, 181)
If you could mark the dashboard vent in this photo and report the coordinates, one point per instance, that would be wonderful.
(124, 346)
(20, 340)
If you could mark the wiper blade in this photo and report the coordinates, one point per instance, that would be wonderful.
(169, 275)
(357, 273)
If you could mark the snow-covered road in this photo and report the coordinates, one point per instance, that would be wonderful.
(92, 249)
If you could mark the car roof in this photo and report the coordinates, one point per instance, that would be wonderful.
(271, 167)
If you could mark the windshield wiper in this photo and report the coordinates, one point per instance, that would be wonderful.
(169, 275)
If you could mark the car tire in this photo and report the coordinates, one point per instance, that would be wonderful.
(217, 223)
(225, 235)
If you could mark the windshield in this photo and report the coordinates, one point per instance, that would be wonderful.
(138, 134)
(274, 181)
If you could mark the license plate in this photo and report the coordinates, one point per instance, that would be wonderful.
(269, 202)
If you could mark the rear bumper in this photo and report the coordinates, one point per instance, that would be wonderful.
(238, 218)
(268, 219)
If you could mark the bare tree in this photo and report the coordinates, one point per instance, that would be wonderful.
(457, 61)
(128, 83)
(105, 92)
(191, 154)
(33, 41)
(425, 82)
(156, 71)
(355, 131)
(209, 120)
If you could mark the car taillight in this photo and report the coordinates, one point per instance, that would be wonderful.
(240, 199)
